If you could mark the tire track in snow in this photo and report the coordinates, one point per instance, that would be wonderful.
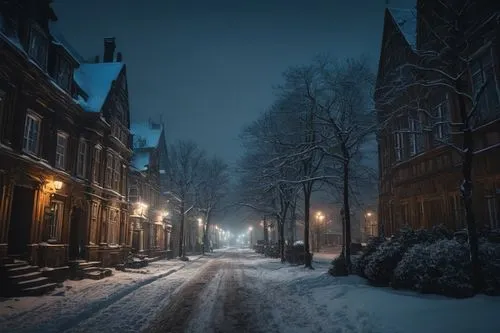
(174, 318)
(133, 311)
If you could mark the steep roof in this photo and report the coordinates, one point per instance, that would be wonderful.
(59, 39)
(406, 21)
(140, 160)
(145, 135)
(96, 79)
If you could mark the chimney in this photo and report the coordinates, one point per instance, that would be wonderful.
(119, 57)
(109, 49)
(96, 60)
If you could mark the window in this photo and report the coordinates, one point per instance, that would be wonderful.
(56, 216)
(398, 146)
(482, 71)
(97, 165)
(81, 164)
(109, 170)
(63, 77)
(116, 174)
(441, 125)
(38, 47)
(61, 149)
(133, 194)
(32, 128)
(113, 226)
(93, 222)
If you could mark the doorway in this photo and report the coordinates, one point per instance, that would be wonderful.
(77, 234)
(20, 220)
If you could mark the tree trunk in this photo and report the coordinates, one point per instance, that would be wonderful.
(282, 239)
(266, 232)
(181, 232)
(466, 191)
(307, 199)
(347, 217)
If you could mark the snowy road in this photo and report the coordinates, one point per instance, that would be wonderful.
(236, 290)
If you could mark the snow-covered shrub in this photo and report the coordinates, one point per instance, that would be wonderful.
(489, 256)
(383, 261)
(409, 237)
(371, 247)
(339, 267)
(409, 270)
(442, 267)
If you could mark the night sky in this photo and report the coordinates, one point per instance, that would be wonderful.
(209, 66)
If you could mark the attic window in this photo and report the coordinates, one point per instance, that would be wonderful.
(63, 74)
(38, 47)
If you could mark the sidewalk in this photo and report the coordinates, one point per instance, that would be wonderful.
(87, 291)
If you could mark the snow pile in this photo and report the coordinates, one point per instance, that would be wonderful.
(303, 300)
(119, 296)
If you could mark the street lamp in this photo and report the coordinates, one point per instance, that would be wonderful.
(319, 220)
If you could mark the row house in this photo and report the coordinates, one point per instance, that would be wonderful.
(64, 144)
(150, 215)
(419, 163)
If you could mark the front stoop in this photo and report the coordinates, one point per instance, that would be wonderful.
(81, 269)
(19, 278)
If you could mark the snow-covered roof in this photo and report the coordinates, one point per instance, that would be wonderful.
(59, 39)
(406, 20)
(96, 79)
(140, 160)
(145, 135)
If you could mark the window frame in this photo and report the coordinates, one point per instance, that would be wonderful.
(36, 118)
(79, 162)
(40, 59)
(63, 166)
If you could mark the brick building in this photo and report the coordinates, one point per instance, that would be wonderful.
(64, 144)
(420, 167)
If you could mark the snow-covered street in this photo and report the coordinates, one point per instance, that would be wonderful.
(236, 290)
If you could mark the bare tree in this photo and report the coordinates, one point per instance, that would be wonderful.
(185, 158)
(269, 193)
(213, 186)
(438, 71)
(344, 110)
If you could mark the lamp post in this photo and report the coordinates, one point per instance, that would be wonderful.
(319, 221)
(368, 224)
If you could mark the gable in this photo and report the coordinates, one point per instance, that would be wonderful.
(96, 81)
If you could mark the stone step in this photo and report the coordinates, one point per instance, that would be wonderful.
(38, 290)
(98, 274)
(91, 269)
(22, 270)
(15, 264)
(84, 264)
(24, 277)
(39, 281)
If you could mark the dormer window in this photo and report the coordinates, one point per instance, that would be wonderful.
(38, 47)
(63, 74)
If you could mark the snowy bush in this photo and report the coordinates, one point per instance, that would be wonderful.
(339, 267)
(371, 247)
(408, 271)
(383, 261)
(442, 267)
(409, 237)
(489, 256)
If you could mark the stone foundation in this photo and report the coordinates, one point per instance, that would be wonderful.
(52, 255)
